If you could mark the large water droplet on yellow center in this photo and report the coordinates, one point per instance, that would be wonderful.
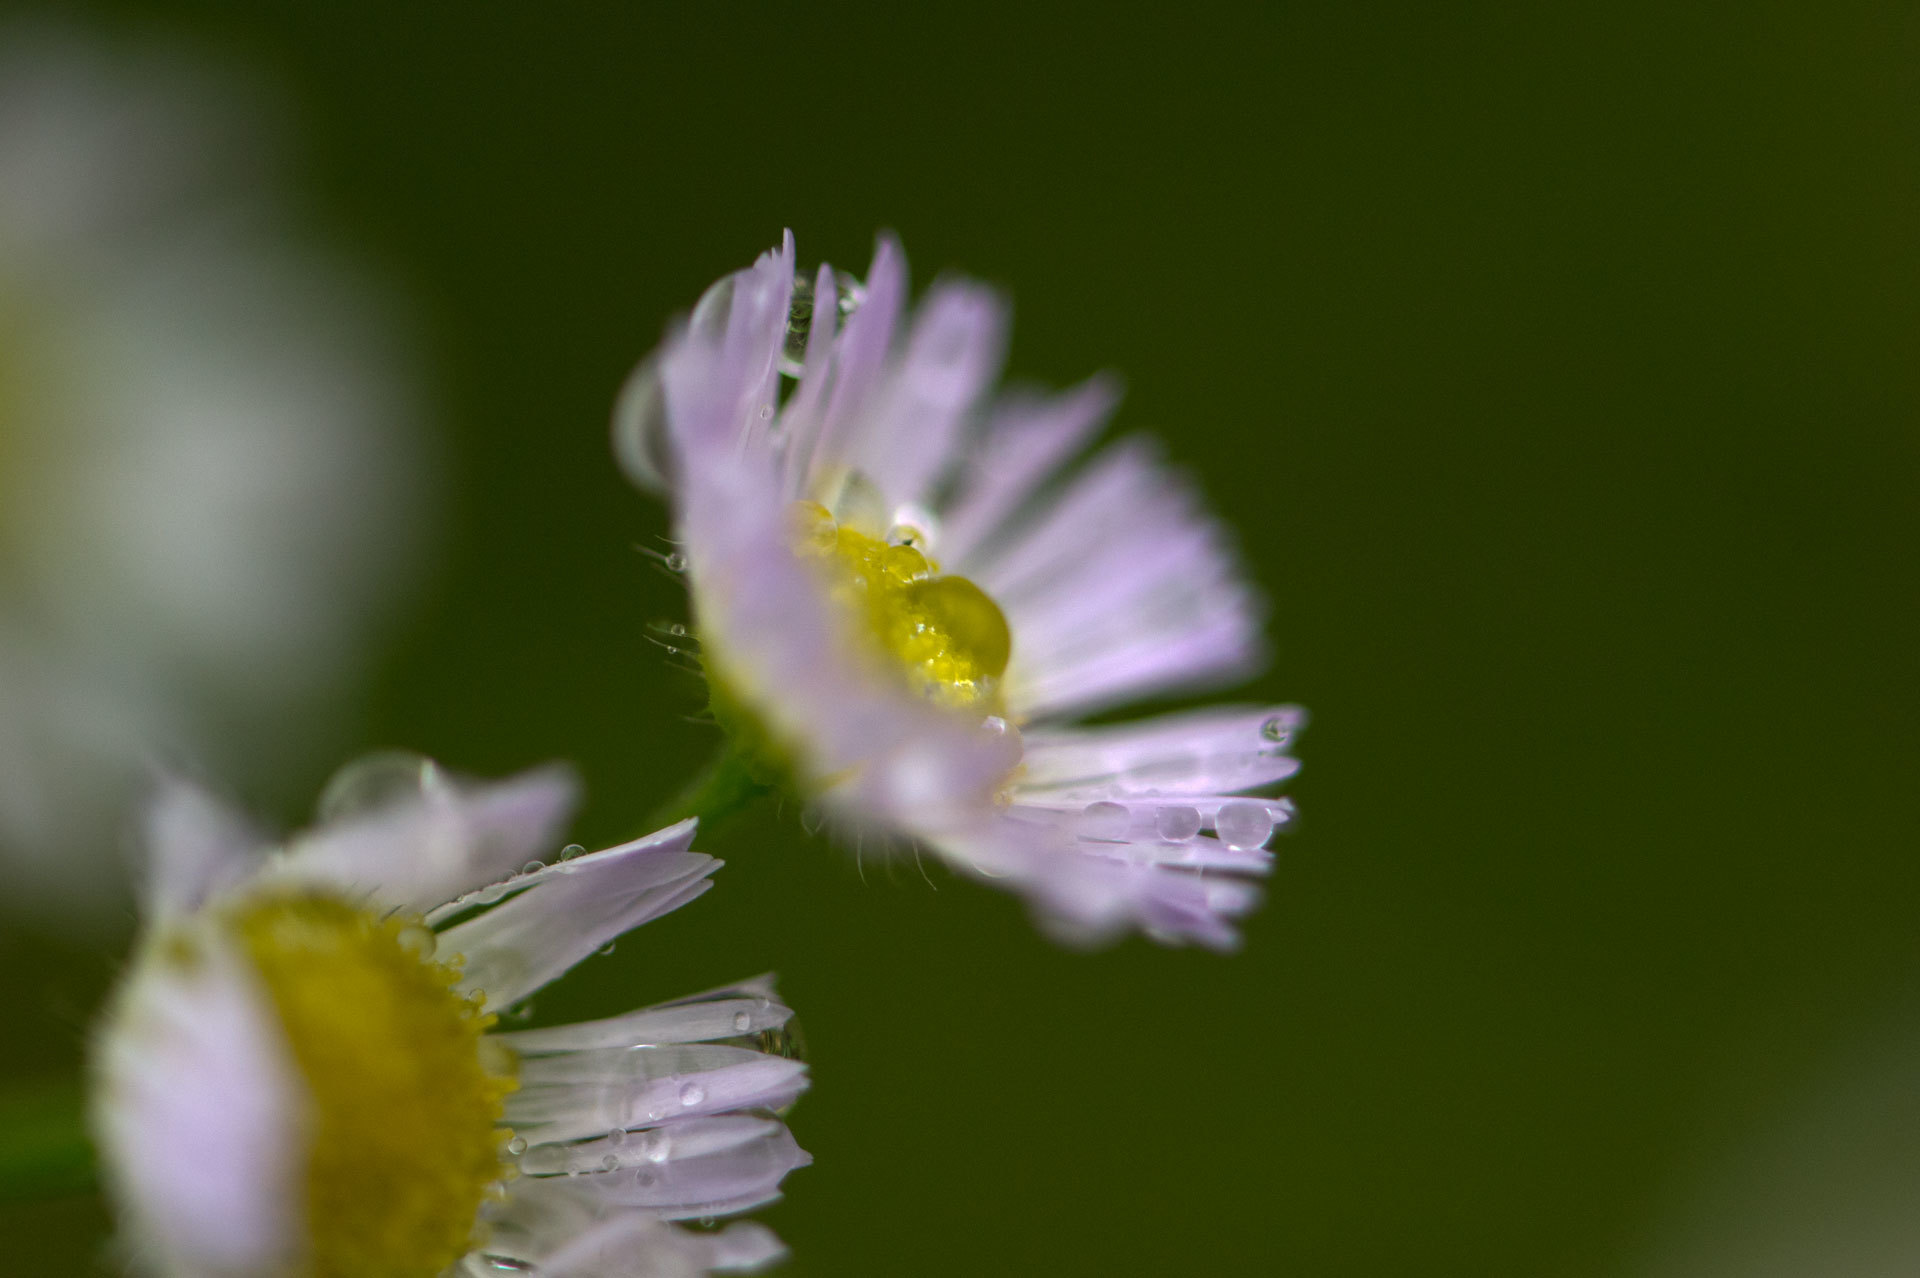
(944, 633)
(404, 1143)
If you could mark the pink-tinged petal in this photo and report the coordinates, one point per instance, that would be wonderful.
(860, 355)
(1028, 438)
(908, 437)
(1213, 751)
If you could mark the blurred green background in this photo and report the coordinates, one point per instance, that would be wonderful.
(1557, 368)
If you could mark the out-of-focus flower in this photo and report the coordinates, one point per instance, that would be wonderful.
(301, 1072)
(1825, 1184)
(209, 460)
(902, 602)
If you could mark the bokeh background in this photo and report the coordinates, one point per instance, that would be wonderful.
(1557, 368)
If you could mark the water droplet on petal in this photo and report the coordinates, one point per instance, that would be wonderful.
(609, 1163)
(533, 867)
(618, 1136)
(675, 562)
(605, 949)
(910, 535)
(517, 1146)
(1105, 820)
(1243, 825)
(741, 1022)
(905, 563)
(849, 293)
(1278, 729)
(418, 940)
(644, 1178)
(378, 780)
(995, 724)
(659, 1147)
(793, 351)
(692, 1094)
(1177, 824)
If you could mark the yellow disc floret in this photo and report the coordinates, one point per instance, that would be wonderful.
(945, 633)
(404, 1145)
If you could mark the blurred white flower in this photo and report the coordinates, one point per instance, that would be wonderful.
(302, 1075)
(209, 461)
(1827, 1185)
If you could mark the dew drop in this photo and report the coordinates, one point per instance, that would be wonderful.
(910, 535)
(517, 1146)
(1278, 730)
(1104, 820)
(605, 949)
(618, 1136)
(533, 867)
(677, 630)
(848, 293)
(905, 563)
(793, 351)
(571, 851)
(675, 562)
(609, 1163)
(659, 1147)
(418, 940)
(644, 1178)
(1177, 824)
(995, 724)
(1243, 825)
(692, 1094)
(476, 996)
(741, 1022)
(378, 780)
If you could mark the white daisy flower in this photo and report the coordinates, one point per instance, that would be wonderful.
(302, 1074)
(903, 603)
(209, 470)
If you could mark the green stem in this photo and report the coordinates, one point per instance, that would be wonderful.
(44, 1149)
(725, 788)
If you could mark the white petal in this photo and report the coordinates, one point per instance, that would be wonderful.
(572, 1097)
(196, 847)
(420, 852)
(747, 1008)
(731, 1163)
(199, 1112)
(570, 909)
(567, 1232)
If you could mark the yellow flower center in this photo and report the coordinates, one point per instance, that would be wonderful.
(944, 633)
(405, 1098)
